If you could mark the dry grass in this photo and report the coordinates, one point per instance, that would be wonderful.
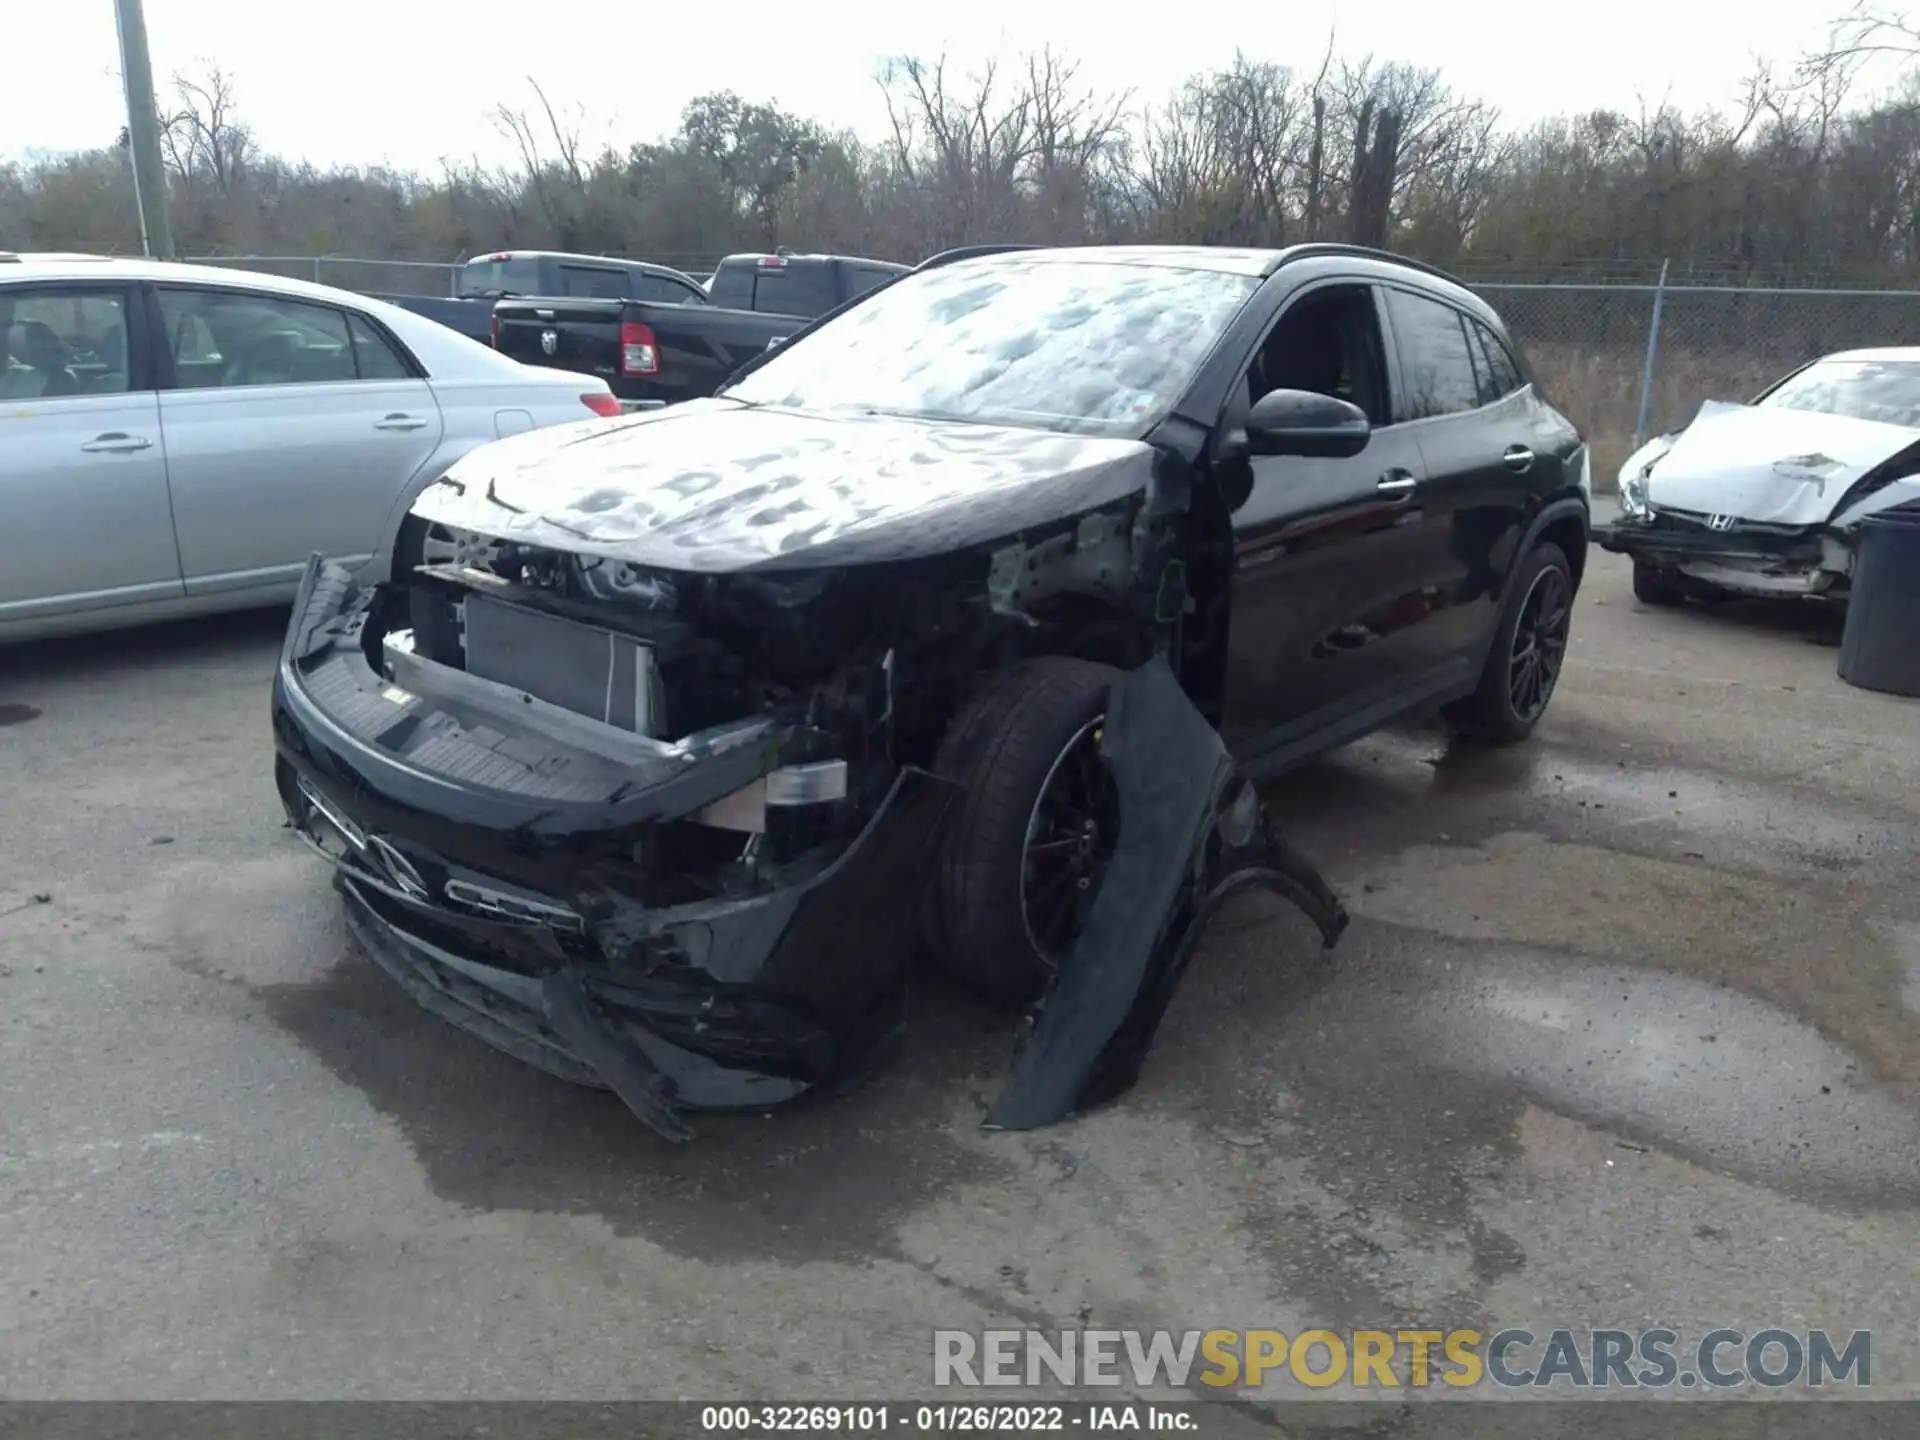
(1600, 392)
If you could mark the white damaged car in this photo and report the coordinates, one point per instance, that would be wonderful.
(1767, 498)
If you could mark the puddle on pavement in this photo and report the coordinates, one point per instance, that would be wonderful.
(1710, 816)
(825, 1179)
(1903, 939)
(1705, 1072)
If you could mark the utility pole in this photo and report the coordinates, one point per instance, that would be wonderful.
(143, 131)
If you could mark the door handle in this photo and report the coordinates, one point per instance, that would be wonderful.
(116, 442)
(400, 422)
(1397, 483)
(1518, 457)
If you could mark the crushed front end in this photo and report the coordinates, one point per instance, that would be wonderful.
(693, 886)
(666, 831)
(659, 831)
(1732, 554)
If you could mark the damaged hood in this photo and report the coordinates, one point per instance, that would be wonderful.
(714, 486)
(1770, 464)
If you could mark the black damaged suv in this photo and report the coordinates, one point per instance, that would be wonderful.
(690, 727)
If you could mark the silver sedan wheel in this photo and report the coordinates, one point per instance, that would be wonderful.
(442, 545)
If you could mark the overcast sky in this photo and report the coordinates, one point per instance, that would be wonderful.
(408, 82)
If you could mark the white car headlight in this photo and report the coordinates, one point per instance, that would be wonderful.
(1633, 494)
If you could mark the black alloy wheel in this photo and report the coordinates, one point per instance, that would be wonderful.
(1539, 644)
(1070, 841)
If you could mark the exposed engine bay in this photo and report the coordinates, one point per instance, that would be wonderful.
(669, 831)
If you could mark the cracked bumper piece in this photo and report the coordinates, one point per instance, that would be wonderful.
(491, 876)
(1192, 833)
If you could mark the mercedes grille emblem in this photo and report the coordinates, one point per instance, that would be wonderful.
(399, 869)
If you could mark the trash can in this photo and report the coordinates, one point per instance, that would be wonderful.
(1880, 647)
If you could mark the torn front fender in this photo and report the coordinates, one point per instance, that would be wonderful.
(1192, 832)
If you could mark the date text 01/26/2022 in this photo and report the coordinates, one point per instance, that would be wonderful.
(874, 1419)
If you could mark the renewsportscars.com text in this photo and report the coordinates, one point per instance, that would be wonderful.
(1657, 1358)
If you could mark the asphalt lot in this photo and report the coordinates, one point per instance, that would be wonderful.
(1624, 1033)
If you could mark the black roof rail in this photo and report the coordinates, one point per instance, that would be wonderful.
(1363, 252)
(969, 252)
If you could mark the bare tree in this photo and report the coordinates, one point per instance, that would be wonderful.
(202, 139)
(1796, 172)
(549, 150)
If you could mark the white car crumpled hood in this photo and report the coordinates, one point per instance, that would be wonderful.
(1772, 465)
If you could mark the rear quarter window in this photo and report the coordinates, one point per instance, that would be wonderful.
(1501, 375)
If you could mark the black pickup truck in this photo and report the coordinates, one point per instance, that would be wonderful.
(661, 349)
(486, 279)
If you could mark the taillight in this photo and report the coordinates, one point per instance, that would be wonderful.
(639, 355)
(601, 403)
(493, 332)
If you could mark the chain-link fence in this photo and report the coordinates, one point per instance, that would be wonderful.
(1621, 358)
(399, 277)
(1627, 359)
(369, 277)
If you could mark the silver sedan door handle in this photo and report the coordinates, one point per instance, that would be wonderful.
(1518, 457)
(1397, 482)
(116, 442)
(400, 422)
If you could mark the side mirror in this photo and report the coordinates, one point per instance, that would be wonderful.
(1299, 422)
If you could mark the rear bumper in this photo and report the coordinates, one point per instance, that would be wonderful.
(495, 881)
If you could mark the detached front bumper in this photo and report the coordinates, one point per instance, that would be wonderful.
(492, 869)
(1744, 557)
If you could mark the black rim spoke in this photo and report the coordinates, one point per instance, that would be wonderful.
(1072, 832)
(1539, 644)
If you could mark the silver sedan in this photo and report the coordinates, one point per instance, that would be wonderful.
(178, 439)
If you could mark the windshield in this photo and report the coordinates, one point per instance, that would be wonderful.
(1883, 390)
(1089, 347)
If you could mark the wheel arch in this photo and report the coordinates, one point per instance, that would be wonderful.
(452, 450)
(1568, 523)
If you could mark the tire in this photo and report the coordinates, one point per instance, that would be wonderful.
(1020, 731)
(410, 548)
(1541, 600)
(1653, 586)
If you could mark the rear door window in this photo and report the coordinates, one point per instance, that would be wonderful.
(593, 282)
(795, 288)
(663, 290)
(731, 286)
(500, 277)
(862, 278)
(1436, 362)
(222, 340)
